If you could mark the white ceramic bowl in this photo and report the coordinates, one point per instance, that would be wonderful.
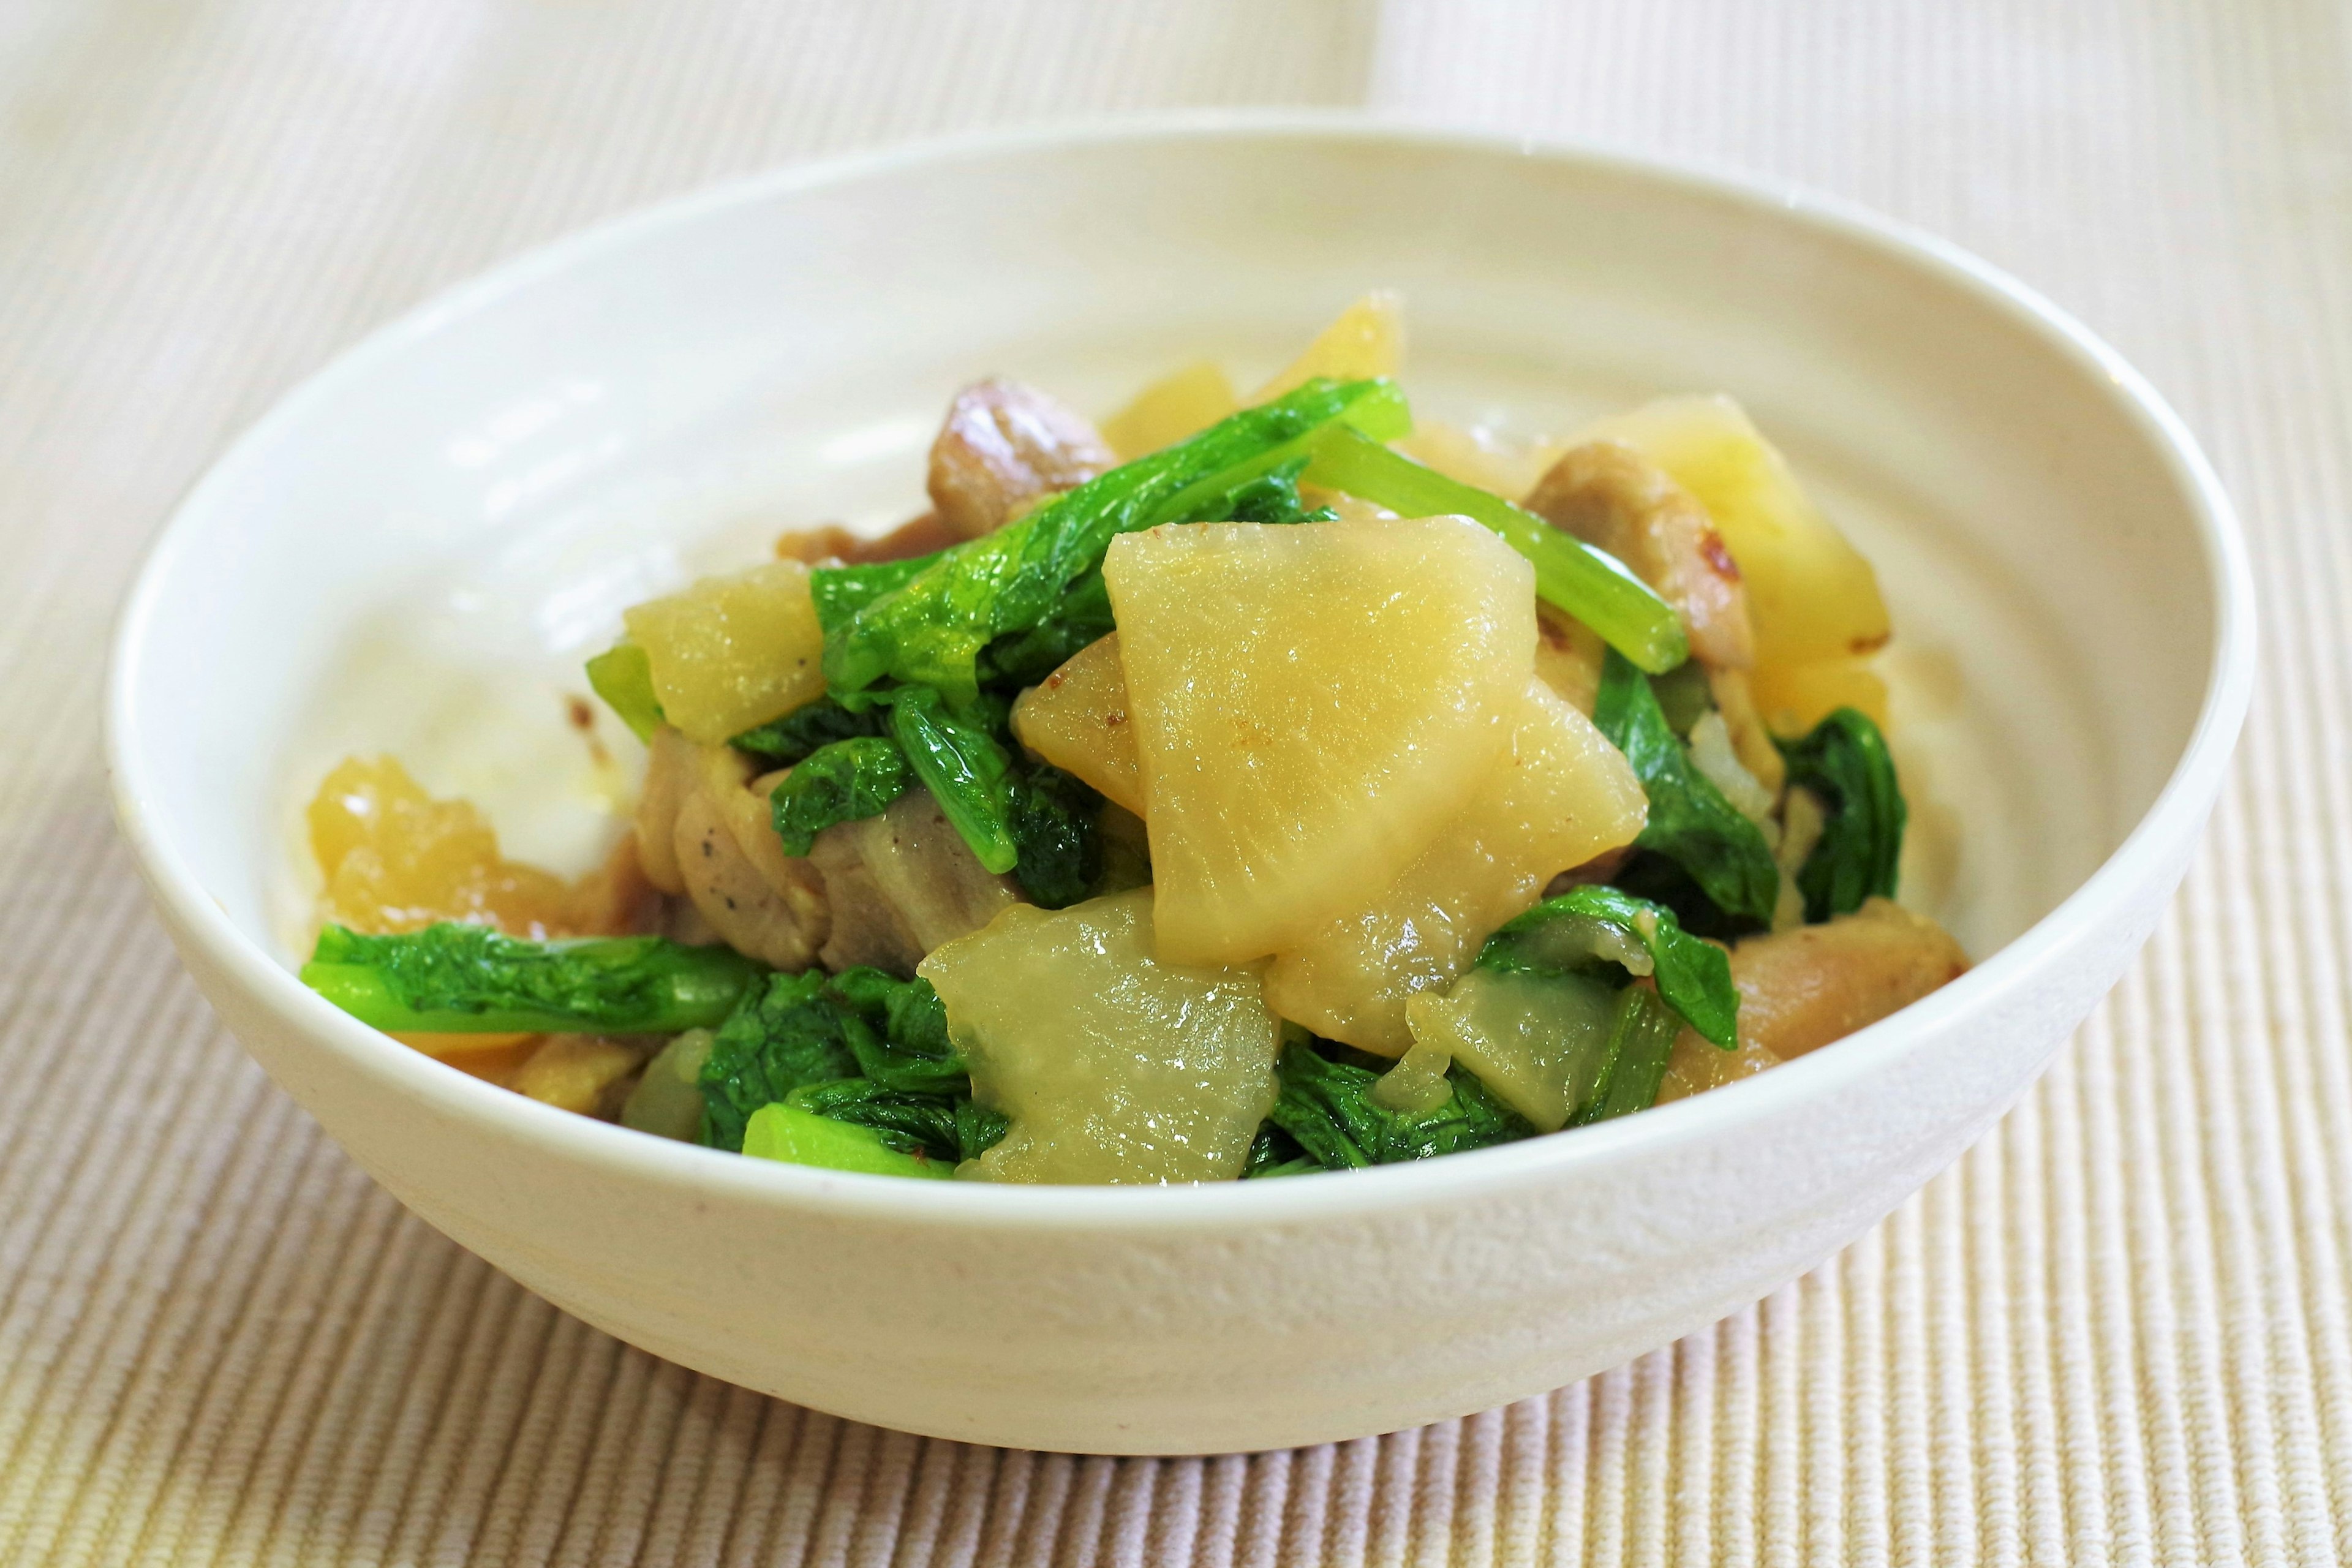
(465, 499)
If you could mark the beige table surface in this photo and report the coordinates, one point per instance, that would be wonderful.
(2118, 1331)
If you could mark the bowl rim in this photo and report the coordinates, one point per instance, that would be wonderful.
(2178, 812)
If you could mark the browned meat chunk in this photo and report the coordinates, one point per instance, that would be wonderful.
(831, 543)
(1800, 989)
(703, 831)
(1005, 444)
(901, 884)
(884, 892)
(1608, 495)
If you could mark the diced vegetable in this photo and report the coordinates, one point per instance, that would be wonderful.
(1136, 1070)
(1559, 796)
(1844, 762)
(845, 781)
(578, 1073)
(1559, 1049)
(1793, 698)
(397, 859)
(1077, 718)
(798, 1136)
(452, 979)
(1811, 594)
(1691, 825)
(1311, 707)
(1568, 932)
(624, 677)
(732, 652)
(667, 1100)
(1327, 1109)
(1589, 584)
(932, 630)
(1178, 404)
(1367, 339)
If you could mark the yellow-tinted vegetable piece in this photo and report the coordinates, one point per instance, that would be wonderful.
(1811, 594)
(395, 859)
(1077, 718)
(1183, 402)
(1110, 1065)
(1368, 339)
(1311, 707)
(578, 1073)
(1562, 795)
(1537, 1041)
(733, 652)
(1791, 699)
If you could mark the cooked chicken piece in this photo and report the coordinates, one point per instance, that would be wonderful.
(671, 771)
(1005, 444)
(1800, 989)
(704, 830)
(1608, 495)
(751, 917)
(901, 884)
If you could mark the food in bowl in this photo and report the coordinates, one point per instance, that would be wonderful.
(1248, 787)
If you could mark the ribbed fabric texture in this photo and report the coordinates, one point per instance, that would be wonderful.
(2117, 1332)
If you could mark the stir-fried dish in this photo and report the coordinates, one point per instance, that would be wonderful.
(1246, 788)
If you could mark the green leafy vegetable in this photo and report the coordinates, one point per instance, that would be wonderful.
(930, 630)
(461, 979)
(786, 1033)
(899, 1032)
(1024, 658)
(968, 770)
(1325, 1107)
(797, 1137)
(806, 730)
(950, 1127)
(1591, 585)
(624, 677)
(1639, 1047)
(1844, 762)
(1691, 825)
(842, 780)
(1692, 977)
(1056, 830)
(840, 592)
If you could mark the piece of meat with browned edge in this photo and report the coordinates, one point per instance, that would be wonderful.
(901, 884)
(830, 544)
(1610, 495)
(883, 891)
(1803, 988)
(702, 806)
(1005, 443)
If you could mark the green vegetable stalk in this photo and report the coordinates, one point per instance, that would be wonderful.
(930, 630)
(1692, 977)
(1691, 823)
(785, 1132)
(462, 979)
(1591, 585)
(840, 781)
(1844, 762)
(624, 677)
(966, 769)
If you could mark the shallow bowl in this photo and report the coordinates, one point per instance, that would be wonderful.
(414, 549)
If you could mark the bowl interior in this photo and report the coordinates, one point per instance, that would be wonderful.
(413, 554)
